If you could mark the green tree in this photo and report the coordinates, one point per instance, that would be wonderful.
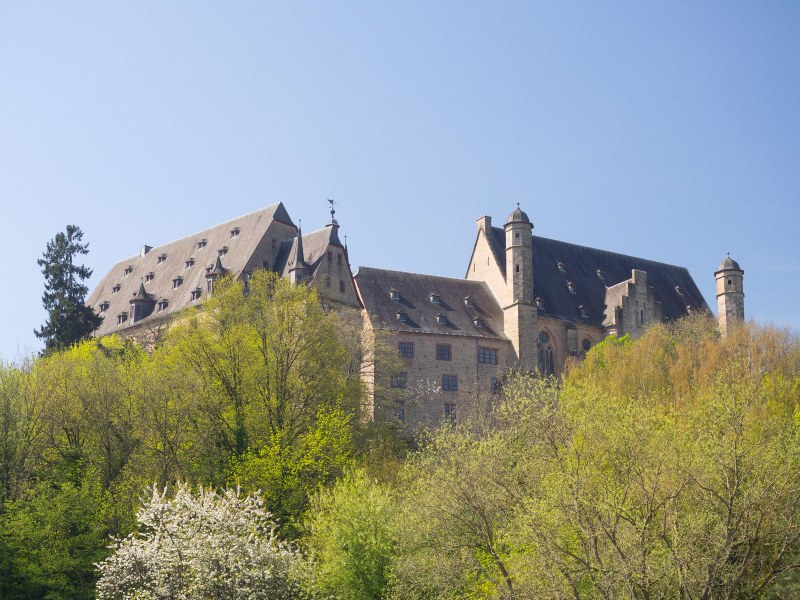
(69, 319)
(350, 538)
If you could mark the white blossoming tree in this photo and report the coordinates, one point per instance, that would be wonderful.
(200, 545)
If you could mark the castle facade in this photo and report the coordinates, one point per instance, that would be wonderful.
(526, 302)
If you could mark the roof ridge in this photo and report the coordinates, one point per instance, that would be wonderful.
(463, 279)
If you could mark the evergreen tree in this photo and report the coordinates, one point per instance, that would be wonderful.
(69, 319)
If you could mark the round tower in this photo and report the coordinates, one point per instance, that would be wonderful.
(730, 294)
(519, 312)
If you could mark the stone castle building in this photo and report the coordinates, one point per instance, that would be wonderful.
(526, 302)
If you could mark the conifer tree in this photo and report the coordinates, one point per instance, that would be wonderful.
(69, 319)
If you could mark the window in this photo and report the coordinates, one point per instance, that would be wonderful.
(222, 251)
(435, 298)
(479, 323)
(327, 282)
(442, 351)
(601, 275)
(177, 282)
(494, 385)
(586, 344)
(128, 270)
(341, 286)
(546, 360)
(517, 269)
(116, 289)
(338, 259)
(487, 356)
(234, 232)
(196, 293)
(104, 306)
(641, 316)
(584, 311)
(273, 243)
(450, 412)
(400, 410)
(162, 305)
(402, 316)
(190, 263)
(571, 287)
(202, 243)
(406, 349)
(399, 380)
(442, 319)
(544, 337)
(161, 258)
(449, 383)
(121, 318)
(539, 303)
(149, 276)
(394, 294)
(469, 302)
(561, 266)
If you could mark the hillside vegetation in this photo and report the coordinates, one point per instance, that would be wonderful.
(666, 467)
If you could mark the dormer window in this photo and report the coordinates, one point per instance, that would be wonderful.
(561, 266)
(121, 318)
(177, 282)
(469, 302)
(479, 323)
(222, 251)
(104, 306)
(163, 304)
(128, 270)
(600, 275)
(402, 316)
(116, 289)
(442, 319)
(539, 303)
(435, 298)
(679, 289)
(234, 232)
(196, 293)
(571, 287)
(202, 243)
(584, 311)
(149, 276)
(394, 294)
(161, 258)
(190, 262)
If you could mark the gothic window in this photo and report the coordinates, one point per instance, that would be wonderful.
(443, 352)
(544, 337)
(546, 360)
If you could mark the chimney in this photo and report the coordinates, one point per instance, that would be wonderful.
(485, 223)
(144, 250)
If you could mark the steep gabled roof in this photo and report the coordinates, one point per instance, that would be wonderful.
(673, 285)
(314, 246)
(187, 259)
(375, 286)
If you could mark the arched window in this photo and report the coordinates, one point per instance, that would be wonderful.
(546, 360)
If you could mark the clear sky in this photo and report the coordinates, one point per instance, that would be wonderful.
(669, 131)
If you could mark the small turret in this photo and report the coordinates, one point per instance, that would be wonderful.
(142, 304)
(520, 317)
(299, 269)
(730, 294)
(216, 273)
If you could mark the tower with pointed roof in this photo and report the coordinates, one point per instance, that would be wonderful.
(519, 308)
(298, 271)
(142, 304)
(730, 294)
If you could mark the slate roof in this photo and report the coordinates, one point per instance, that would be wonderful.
(375, 285)
(251, 230)
(673, 286)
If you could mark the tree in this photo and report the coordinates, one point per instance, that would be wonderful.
(350, 539)
(69, 319)
(201, 545)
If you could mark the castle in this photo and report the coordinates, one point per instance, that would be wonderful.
(526, 302)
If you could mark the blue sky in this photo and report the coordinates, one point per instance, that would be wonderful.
(669, 131)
